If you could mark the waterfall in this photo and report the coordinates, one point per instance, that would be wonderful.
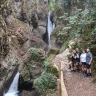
(50, 27)
(13, 90)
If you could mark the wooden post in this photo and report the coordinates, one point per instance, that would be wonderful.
(59, 87)
(63, 88)
(59, 70)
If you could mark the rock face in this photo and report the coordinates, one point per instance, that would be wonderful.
(4, 46)
(22, 26)
(33, 63)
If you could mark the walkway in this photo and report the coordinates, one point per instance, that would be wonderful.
(76, 83)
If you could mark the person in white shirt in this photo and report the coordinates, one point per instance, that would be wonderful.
(83, 61)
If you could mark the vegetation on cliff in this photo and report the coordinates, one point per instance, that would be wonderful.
(34, 58)
(45, 76)
(76, 25)
(46, 83)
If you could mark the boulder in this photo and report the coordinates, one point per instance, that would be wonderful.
(33, 63)
(40, 31)
(38, 43)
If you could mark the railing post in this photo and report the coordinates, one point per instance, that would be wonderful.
(63, 88)
(59, 87)
(59, 70)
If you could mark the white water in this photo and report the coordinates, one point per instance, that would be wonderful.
(13, 90)
(50, 27)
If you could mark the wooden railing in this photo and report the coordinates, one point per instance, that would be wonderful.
(61, 86)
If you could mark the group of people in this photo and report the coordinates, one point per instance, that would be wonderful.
(81, 61)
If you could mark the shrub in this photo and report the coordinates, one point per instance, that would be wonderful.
(34, 60)
(48, 66)
(53, 51)
(35, 55)
(46, 83)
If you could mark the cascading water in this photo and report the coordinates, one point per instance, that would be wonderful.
(50, 27)
(13, 90)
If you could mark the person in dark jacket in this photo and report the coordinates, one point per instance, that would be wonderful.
(88, 62)
(78, 54)
(74, 60)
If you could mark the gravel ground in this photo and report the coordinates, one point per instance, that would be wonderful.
(77, 84)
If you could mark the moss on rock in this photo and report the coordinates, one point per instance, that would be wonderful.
(53, 51)
(35, 55)
(49, 67)
(33, 64)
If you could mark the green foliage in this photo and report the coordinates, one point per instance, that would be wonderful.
(52, 5)
(3, 4)
(48, 61)
(52, 70)
(46, 83)
(35, 55)
(61, 33)
(64, 46)
(49, 68)
(81, 21)
(65, 3)
(94, 32)
(53, 51)
(82, 25)
(94, 69)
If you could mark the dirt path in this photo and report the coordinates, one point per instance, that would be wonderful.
(76, 83)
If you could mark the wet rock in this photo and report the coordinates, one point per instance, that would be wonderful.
(25, 85)
(37, 43)
(40, 31)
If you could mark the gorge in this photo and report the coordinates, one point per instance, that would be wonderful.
(24, 28)
(33, 33)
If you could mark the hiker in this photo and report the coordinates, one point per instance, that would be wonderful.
(88, 62)
(83, 61)
(74, 60)
(78, 53)
(71, 61)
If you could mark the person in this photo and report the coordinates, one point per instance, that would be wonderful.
(74, 60)
(71, 61)
(78, 53)
(88, 62)
(83, 61)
